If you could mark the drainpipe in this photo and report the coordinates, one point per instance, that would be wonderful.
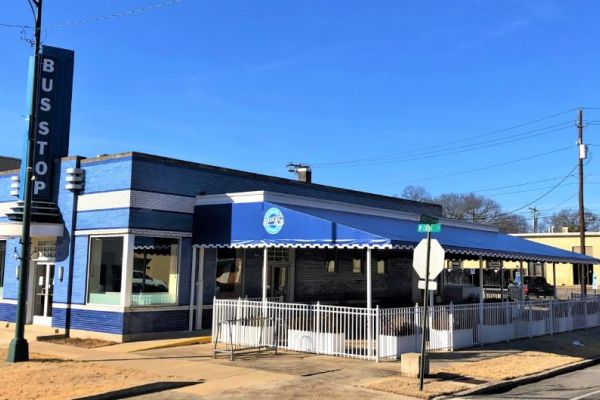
(192, 289)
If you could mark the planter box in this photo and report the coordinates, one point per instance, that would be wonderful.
(564, 324)
(450, 340)
(394, 346)
(496, 333)
(530, 328)
(313, 342)
(247, 335)
(591, 320)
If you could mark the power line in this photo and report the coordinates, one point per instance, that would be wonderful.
(538, 155)
(101, 18)
(429, 149)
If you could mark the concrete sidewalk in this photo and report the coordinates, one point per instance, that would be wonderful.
(288, 375)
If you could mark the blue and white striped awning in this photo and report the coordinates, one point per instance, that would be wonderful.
(272, 224)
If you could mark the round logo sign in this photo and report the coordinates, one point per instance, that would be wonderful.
(273, 220)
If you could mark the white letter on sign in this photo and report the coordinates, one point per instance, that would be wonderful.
(43, 128)
(39, 185)
(45, 104)
(41, 168)
(48, 65)
(42, 145)
(47, 84)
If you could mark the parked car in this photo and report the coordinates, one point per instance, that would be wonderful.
(534, 286)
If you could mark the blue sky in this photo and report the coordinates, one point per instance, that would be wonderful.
(255, 84)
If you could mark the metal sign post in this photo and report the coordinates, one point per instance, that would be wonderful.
(424, 317)
(428, 262)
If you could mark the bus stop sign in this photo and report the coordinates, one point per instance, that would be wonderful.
(436, 259)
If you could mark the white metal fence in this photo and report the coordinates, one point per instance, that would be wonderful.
(387, 333)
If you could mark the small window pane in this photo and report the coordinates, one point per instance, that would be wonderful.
(2, 259)
(357, 262)
(229, 273)
(382, 266)
(155, 271)
(106, 262)
(331, 260)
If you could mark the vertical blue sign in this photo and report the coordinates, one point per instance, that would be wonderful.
(53, 122)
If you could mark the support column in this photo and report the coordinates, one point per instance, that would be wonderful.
(127, 270)
(522, 286)
(200, 291)
(554, 278)
(481, 292)
(192, 290)
(369, 281)
(501, 280)
(264, 273)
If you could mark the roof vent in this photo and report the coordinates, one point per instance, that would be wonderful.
(303, 171)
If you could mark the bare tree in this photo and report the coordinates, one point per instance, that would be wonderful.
(416, 193)
(570, 219)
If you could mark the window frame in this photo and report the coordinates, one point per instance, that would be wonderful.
(130, 273)
(89, 267)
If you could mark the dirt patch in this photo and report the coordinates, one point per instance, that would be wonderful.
(77, 342)
(410, 387)
(49, 377)
(508, 367)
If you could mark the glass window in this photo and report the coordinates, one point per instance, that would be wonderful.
(155, 271)
(229, 273)
(331, 260)
(357, 261)
(106, 263)
(2, 258)
(381, 262)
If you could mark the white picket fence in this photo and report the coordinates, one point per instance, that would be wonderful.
(377, 334)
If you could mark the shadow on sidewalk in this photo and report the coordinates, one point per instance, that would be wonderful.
(139, 390)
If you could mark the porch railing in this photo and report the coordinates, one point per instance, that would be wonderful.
(376, 333)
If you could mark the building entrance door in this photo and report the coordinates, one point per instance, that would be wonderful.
(278, 280)
(43, 287)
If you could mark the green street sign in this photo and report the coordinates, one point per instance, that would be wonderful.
(429, 220)
(433, 228)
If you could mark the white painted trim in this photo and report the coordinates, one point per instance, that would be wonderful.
(6, 207)
(264, 273)
(200, 291)
(192, 290)
(101, 307)
(14, 229)
(8, 301)
(136, 199)
(369, 281)
(127, 270)
(281, 198)
(139, 232)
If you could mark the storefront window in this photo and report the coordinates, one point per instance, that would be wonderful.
(155, 271)
(106, 263)
(357, 261)
(2, 258)
(229, 273)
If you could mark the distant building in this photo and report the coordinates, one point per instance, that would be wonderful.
(9, 163)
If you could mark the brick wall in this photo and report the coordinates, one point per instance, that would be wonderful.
(8, 312)
(156, 321)
(314, 283)
(89, 320)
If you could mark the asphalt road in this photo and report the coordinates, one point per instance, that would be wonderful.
(583, 384)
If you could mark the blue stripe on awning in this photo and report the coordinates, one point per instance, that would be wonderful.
(241, 225)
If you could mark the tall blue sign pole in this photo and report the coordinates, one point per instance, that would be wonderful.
(18, 349)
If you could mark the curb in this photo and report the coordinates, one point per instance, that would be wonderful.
(503, 386)
(178, 343)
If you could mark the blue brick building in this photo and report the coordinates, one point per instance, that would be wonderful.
(146, 243)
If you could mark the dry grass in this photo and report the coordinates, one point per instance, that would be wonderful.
(410, 387)
(508, 367)
(48, 378)
(85, 343)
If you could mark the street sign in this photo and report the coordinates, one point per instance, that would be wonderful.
(518, 278)
(426, 219)
(425, 228)
(436, 259)
(432, 284)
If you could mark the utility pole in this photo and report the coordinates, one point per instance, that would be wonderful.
(535, 213)
(582, 152)
(18, 349)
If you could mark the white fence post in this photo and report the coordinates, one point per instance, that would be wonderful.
(377, 328)
(451, 325)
